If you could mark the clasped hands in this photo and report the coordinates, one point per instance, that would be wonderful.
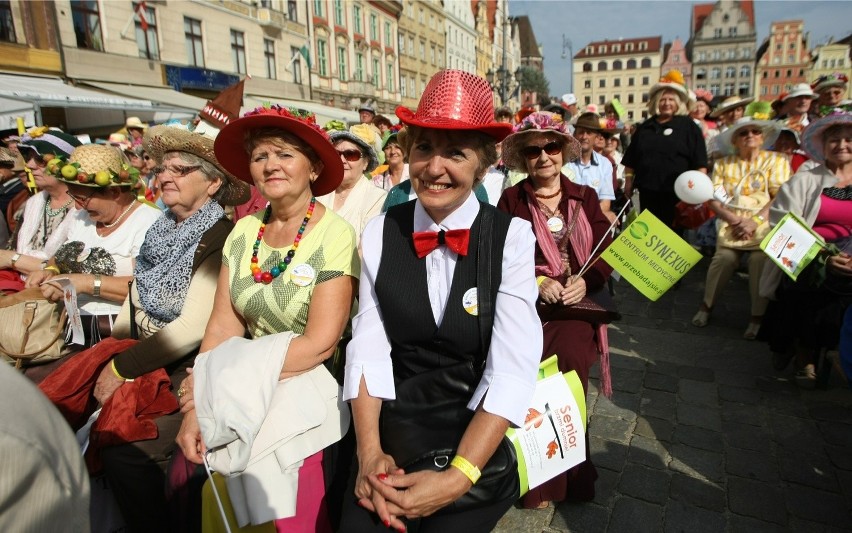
(743, 228)
(392, 494)
(551, 291)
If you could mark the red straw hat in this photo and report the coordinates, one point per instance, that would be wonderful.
(456, 100)
(231, 154)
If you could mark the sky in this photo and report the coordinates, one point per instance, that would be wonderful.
(582, 22)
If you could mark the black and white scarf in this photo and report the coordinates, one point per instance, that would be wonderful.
(164, 264)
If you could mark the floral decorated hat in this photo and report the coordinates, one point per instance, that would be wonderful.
(673, 80)
(93, 165)
(837, 79)
(539, 122)
(49, 141)
(363, 137)
(812, 141)
(233, 157)
(757, 114)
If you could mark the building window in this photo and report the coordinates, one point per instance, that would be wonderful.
(745, 53)
(702, 56)
(616, 65)
(319, 8)
(616, 82)
(587, 84)
(729, 89)
(715, 73)
(601, 99)
(791, 58)
(764, 90)
(645, 98)
(628, 47)
(744, 89)
(776, 89)
(412, 84)
(587, 67)
(432, 54)
(646, 62)
(631, 64)
(700, 74)
(194, 48)
(87, 24)
(388, 36)
(338, 12)
(602, 49)
(731, 72)
(643, 45)
(296, 54)
(292, 11)
(629, 98)
(645, 80)
(616, 48)
(732, 31)
(377, 73)
(717, 55)
(342, 73)
(411, 45)
(322, 57)
(7, 26)
(146, 31)
(732, 54)
(717, 33)
(777, 73)
(745, 71)
(403, 87)
(356, 19)
(238, 51)
(789, 72)
(714, 89)
(401, 45)
(422, 50)
(390, 77)
(602, 83)
(631, 82)
(269, 58)
(374, 27)
(601, 65)
(359, 66)
(587, 99)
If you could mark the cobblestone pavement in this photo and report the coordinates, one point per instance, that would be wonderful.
(701, 434)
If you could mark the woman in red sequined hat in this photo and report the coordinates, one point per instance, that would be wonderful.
(446, 342)
(292, 269)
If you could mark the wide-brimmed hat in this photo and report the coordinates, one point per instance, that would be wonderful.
(94, 165)
(569, 99)
(800, 89)
(731, 102)
(43, 140)
(134, 122)
(391, 138)
(540, 122)
(837, 79)
(757, 114)
(162, 139)
(703, 95)
(812, 141)
(233, 157)
(11, 160)
(368, 108)
(355, 136)
(673, 80)
(456, 100)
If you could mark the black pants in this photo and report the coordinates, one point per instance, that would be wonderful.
(661, 203)
(356, 519)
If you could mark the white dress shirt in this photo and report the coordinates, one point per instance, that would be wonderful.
(516, 341)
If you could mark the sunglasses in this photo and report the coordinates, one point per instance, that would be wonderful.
(746, 133)
(533, 152)
(351, 155)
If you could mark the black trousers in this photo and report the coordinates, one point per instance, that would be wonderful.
(661, 203)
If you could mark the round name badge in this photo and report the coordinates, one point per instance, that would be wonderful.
(302, 275)
(470, 302)
(668, 131)
(554, 224)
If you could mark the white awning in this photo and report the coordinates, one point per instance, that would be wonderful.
(324, 113)
(159, 96)
(53, 92)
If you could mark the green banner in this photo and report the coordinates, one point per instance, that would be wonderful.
(650, 256)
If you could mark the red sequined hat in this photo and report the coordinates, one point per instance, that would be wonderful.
(456, 100)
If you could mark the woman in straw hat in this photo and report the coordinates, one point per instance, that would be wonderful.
(442, 353)
(106, 234)
(356, 199)
(170, 302)
(831, 90)
(568, 222)
(663, 147)
(751, 176)
(804, 316)
(47, 215)
(291, 269)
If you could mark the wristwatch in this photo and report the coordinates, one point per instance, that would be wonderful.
(96, 286)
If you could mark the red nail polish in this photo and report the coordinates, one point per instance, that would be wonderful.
(401, 529)
(387, 523)
(382, 476)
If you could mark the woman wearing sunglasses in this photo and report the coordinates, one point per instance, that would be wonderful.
(751, 176)
(568, 222)
(356, 199)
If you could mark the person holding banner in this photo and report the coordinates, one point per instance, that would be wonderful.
(568, 223)
(804, 317)
(751, 177)
(446, 343)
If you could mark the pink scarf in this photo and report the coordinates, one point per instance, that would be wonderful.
(581, 239)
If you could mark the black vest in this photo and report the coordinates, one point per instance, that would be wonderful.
(417, 343)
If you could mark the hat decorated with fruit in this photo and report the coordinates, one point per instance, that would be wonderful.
(48, 141)
(93, 165)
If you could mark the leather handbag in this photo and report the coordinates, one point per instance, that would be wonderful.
(596, 307)
(31, 328)
(423, 426)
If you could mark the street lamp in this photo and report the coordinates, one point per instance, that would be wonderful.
(569, 46)
(502, 81)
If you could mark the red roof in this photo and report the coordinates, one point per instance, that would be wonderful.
(490, 14)
(654, 44)
(700, 12)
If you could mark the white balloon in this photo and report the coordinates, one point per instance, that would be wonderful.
(694, 187)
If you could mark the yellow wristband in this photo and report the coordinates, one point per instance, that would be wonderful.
(758, 219)
(467, 468)
(539, 280)
(114, 371)
(53, 269)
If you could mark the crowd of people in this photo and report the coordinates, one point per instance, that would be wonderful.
(342, 322)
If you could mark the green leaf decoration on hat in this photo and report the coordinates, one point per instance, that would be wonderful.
(760, 110)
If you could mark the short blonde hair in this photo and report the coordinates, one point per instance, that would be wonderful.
(654, 103)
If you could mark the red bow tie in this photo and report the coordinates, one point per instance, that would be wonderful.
(455, 239)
